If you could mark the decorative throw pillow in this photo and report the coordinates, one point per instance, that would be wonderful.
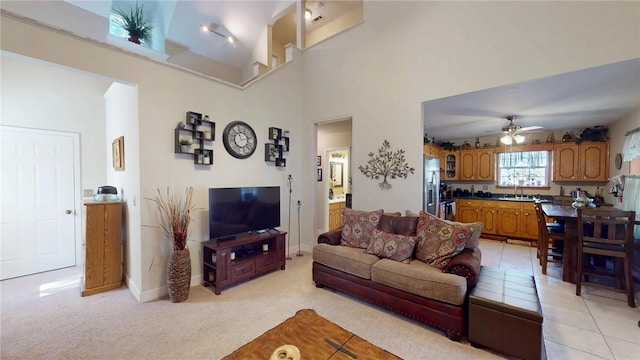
(358, 227)
(391, 246)
(440, 240)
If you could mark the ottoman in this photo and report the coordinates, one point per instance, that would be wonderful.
(505, 314)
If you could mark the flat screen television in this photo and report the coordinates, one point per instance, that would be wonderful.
(240, 210)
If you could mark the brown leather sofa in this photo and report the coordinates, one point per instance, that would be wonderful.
(438, 298)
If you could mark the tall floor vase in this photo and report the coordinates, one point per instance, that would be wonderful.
(179, 275)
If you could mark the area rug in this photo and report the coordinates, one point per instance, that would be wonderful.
(315, 337)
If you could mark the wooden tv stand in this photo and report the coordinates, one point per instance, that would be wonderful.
(253, 255)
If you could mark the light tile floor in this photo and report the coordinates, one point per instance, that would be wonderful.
(596, 325)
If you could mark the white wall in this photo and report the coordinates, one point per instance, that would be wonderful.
(121, 104)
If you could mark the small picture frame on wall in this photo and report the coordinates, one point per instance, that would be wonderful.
(117, 153)
(319, 161)
(275, 133)
(319, 175)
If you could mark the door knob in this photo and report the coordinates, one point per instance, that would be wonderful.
(68, 212)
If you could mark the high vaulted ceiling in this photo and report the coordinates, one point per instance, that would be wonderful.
(181, 21)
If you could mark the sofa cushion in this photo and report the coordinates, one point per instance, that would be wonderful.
(358, 227)
(392, 246)
(420, 279)
(473, 242)
(403, 225)
(350, 260)
(439, 240)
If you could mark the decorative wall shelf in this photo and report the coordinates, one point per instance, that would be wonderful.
(200, 132)
(274, 150)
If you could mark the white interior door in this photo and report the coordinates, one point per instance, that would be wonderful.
(38, 215)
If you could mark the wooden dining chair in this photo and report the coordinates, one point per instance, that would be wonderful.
(607, 233)
(549, 240)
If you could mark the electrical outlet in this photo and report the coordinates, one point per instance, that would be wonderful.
(485, 187)
(87, 193)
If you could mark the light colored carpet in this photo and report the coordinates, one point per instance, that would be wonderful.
(43, 319)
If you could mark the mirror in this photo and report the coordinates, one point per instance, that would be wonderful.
(335, 173)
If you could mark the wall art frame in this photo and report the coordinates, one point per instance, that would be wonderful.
(117, 153)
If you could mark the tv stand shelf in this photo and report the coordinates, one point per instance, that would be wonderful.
(227, 262)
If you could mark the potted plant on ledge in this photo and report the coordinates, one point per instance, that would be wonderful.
(135, 22)
(175, 216)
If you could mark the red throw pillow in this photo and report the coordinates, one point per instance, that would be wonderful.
(391, 246)
(358, 227)
(439, 240)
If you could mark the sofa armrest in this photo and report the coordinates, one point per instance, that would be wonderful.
(467, 265)
(331, 237)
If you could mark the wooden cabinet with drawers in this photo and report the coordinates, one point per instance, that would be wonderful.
(513, 219)
(489, 216)
(103, 248)
(468, 211)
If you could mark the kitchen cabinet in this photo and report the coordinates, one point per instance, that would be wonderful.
(477, 164)
(450, 163)
(587, 161)
(468, 211)
(431, 149)
(509, 219)
(335, 214)
(489, 217)
(512, 219)
(103, 248)
(529, 221)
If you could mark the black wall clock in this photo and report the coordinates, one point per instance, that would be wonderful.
(239, 139)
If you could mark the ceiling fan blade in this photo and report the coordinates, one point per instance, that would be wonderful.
(529, 128)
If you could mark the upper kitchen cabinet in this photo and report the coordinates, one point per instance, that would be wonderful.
(431, 149)
(587, 161)
(477, 164)
(450, 163)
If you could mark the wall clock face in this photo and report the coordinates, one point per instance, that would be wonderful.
(618, 161)
(239, 139)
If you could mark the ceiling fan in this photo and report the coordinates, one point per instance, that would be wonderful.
(512, 132)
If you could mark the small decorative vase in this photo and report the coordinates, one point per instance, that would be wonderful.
(179, 275)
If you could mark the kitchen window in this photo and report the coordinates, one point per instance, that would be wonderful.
(524, 168)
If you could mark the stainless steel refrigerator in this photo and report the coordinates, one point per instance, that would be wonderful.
(431, 185)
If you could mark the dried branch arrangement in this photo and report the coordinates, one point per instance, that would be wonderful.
(175, 216)
(386, 164)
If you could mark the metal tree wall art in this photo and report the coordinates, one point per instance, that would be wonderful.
(386, 164)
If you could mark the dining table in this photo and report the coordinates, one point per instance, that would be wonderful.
(569, 216)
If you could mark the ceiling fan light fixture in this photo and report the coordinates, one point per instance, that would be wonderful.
(506, 139)
(519, 138)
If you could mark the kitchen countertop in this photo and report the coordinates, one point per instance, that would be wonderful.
(337, 200)
(501, 197)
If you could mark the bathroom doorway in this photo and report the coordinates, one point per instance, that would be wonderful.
(334, 172)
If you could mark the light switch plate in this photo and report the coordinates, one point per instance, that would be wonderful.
(87, 192)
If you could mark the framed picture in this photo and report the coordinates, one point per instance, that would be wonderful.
(319, 175)
(319, 161)
(275, 133)
(117, 153)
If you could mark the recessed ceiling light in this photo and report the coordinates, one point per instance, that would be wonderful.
(307, 14)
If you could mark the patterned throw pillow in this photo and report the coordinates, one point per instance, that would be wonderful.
(439, 240)
(358, 227)
(391, 246)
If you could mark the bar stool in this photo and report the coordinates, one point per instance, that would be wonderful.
(609, 233)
